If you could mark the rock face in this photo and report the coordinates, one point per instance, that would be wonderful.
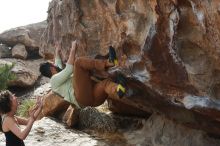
(52, 105)
(26, 72)
(28, 35)
(160, 131)
(169, 50)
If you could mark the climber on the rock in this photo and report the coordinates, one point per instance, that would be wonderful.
(74, 82)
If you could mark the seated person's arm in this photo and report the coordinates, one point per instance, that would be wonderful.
(61, 77)
(58, 60)
(58, 63)
(72, 55)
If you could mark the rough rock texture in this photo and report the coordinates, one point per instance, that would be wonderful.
(19, 51)
(91, 118)
(157, 131)
(48, 132)
(169, 49)
(42, 90)
(53, 105)
(71, 116)
(160, 131)
(28, 35)
(5, 52)
(26, 72)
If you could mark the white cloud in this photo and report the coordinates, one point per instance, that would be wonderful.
(14, 13)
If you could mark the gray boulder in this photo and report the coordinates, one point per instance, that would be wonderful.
(19, 51)
(28, 35)
(26, 72)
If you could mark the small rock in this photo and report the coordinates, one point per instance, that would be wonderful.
(19, 51)
(40, 130)
(91, 118)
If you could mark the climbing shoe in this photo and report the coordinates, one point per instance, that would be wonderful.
(112, 56)
(121, 88)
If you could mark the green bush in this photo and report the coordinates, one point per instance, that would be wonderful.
(6, 75)
(25, 106)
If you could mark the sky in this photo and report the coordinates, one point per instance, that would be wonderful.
(14, 13)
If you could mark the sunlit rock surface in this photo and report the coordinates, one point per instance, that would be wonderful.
(168, 48)
(47, 132)
(157, 130)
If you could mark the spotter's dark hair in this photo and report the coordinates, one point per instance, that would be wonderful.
(5, 101)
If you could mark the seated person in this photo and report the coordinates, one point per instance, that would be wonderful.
(74, 82)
